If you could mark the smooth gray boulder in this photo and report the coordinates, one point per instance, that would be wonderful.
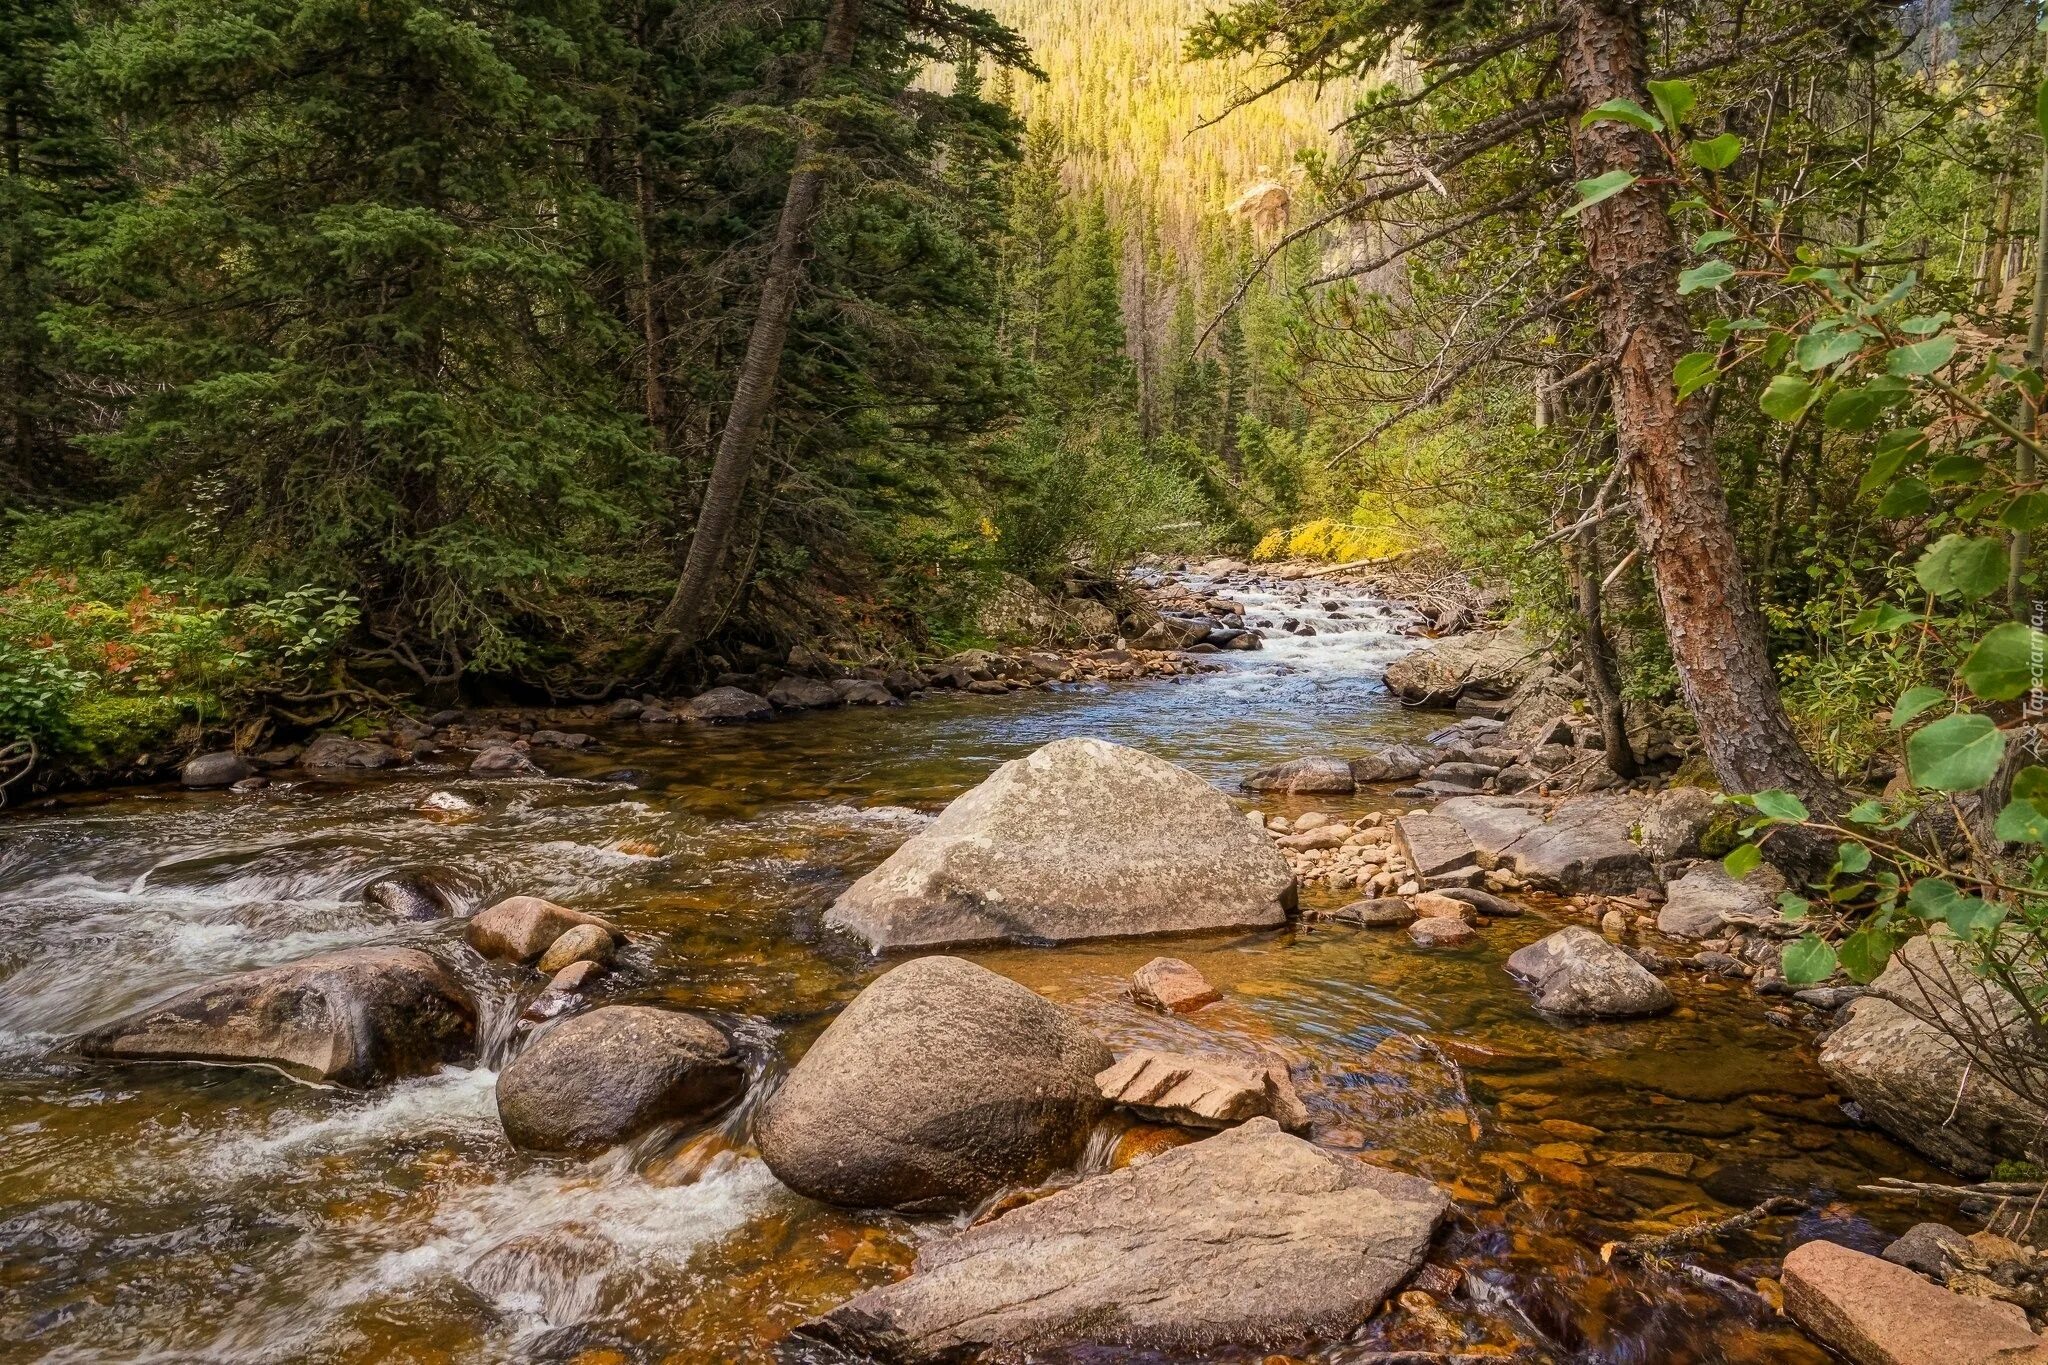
(1706, 901)
(596, 1079)
(1898, 1055)
(940, 1084)
(1249, 1240)
(728, 706)
(1580, 975)
(1321, 775)
(352, 1018)
(1392, 763)
(1434, 845)
(1081, 839)
(222, 769)
(803, 694)
(1483, 664)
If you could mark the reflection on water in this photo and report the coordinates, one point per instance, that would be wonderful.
(202, 1214)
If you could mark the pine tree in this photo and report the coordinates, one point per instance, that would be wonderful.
(1083, 360)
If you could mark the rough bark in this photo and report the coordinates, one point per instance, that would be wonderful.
(754, 392)
(1716, 633)
(1582, 560)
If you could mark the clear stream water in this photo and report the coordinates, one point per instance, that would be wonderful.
(186, 1214)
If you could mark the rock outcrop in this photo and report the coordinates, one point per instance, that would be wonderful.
(1082, 839)
(1580, 844)
(1580, 975)
(1897, 1055)
(941, 1083)
(594, 1080)
(1875, 1313)
(353, 1018)
(1249, 1240)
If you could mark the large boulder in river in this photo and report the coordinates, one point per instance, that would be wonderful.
(1927, 1055)
(1484, 664)
(592, 1081)
(353, 1018)
(222, 769)
(521, 928)
(1303, 776)
(1082, 839)
(940, 1084)
(1875, 1313)
(1248, 1241)
(1580, 975)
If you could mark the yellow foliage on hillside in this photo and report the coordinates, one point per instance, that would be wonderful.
(1339, 542)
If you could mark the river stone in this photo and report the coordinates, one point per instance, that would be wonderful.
(1434, 845)
(940, 1084)
(503, 760)
(1393, 763)
(728, 705)
(863, 692)
(1583, 844)
(339, 751)
(1082, 839)
(1484, 664)
(1386, 912)
(1202, 1092)
(1304, 776)
(578, 943)
(222, 769)
(596, 1079)
(1933, 1249)
(1171, 986)
(1578, 974)
(1442, 931)
(1875, 1313)
(521, 928)
(1485, 902)
(417, 893)
(1250, 1240)
(1673, 821)
(1895, 1056)
(352, 1018)
(803, 694)
(1706, 901)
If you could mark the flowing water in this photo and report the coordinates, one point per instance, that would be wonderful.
(185, 1214)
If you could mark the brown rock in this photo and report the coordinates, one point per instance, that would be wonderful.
(1436, 905)
(1384, 912)
(597, 1079)
(1442, 931)
(1875, 1313)
(1202, 1092)
(1675, 1164)
(579, 943)
(1171, 985)
(521, 928)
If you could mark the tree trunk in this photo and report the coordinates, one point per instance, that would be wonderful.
(754, 392)
(1716, 632)
(1583, 566)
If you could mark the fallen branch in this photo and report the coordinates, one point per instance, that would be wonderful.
(1990, 1189)
(1655, 1248)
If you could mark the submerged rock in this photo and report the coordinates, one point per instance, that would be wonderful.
(1081, 839)
(1382, 912)
(521, 928)
(1441, 931)
(941, 1083)
(1580, 975)
(1302, 776)
(1896, 1056)
(1875, 1313)
(1249, 1240)
(593, 1081)
(354, 1018)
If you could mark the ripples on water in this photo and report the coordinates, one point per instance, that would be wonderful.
(210, 1214)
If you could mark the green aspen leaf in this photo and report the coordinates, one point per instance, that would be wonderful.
(1859, 409)
(1921, 357)
(2025, 512)
(1894, 449)
(1808, 960)
(1793, 906)
(1924, 326)
(1715, 153)
(1819, 349)
(1932, 896)
(2023, 822)
(1969, 567)
(2006, 662)
(1969, 916)
(1912, 702)
(1694, 372)
(1674, 99)
(1867, 813)
(1709, 240)
(1776, 347)
(1852, 858)
(1906, 498)
(2031, 783)
(1882, 619)
(1958, 753)
(1956, 469)
(1864, 953)
(1742, 860)
(1708, 275)
(1780, 805)
(1786, 397)
(1623, 111)
(1600, 187)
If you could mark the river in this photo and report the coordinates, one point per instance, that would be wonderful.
(185, 1214)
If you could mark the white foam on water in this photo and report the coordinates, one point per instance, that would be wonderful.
(453, 1102)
